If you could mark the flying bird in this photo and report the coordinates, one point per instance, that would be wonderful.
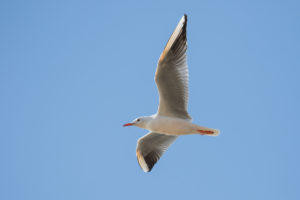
(172, 118)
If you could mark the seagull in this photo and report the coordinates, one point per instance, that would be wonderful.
(172, 118)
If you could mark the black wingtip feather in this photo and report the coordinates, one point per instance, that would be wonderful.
(151, 159)
(180, 42)
(185, 16)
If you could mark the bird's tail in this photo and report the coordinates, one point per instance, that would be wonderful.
(207, 131)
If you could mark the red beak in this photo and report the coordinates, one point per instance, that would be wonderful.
(128, 124)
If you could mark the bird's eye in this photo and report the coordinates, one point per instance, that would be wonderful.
(138, 120)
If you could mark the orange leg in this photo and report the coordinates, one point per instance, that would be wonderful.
(203, 132)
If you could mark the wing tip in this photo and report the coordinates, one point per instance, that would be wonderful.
(142, 162)
(182, 24)
(183, 21)
(185, 17)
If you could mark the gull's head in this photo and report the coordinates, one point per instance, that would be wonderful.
(139, 122)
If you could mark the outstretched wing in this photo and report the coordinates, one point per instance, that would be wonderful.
(151, 147)
(172, 75)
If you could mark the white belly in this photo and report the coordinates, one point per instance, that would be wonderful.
(171, 126)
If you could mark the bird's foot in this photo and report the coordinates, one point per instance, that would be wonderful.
(205, 132)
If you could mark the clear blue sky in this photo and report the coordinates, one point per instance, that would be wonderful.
(72, 72)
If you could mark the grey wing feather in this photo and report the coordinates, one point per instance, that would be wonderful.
(172, 75)
(151, 147)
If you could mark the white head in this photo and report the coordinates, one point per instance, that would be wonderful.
(141, 122)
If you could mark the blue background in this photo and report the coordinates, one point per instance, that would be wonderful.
(72, 72)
